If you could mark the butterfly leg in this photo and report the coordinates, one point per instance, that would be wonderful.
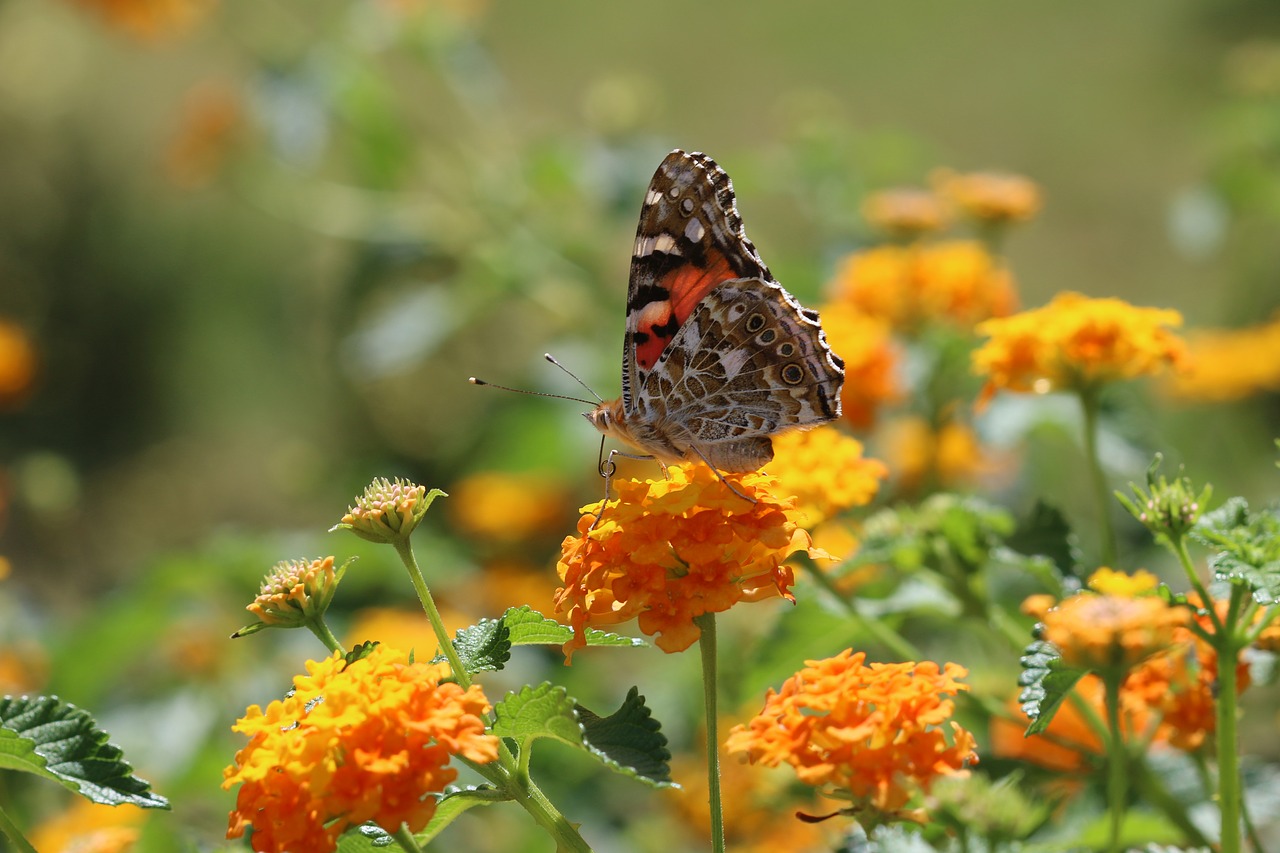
(608, 468)
(730, 486)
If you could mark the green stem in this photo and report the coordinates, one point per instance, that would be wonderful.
(1116, 760)
(1229, 793)
(1107, 545)
(406, 840)
(707, 646)
(547, 816)
(321, 629)
(11, 832)
(895, 642)
(433, 613)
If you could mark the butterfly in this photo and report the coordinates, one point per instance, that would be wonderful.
(718, 356)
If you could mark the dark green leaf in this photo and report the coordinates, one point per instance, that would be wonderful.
(1248, 547)
(57, 740)
(1045, 532)
(1046, 681)
(630, 740)
(486, 646)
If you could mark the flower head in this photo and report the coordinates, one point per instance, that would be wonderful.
(1111, 632)
(1076, 342)
(365, 741)
(294, 593)
(18, 363)
(956, 281)
(1168, 509)
(875, 732)
(388, 511)
(88, 827)
(991, 197)
(870, 361)
(904, 212)
(1107, 581)
(508, 508)
(667, 551)
(1229, 364)
(826, 471)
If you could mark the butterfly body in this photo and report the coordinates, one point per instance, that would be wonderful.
(718, 356)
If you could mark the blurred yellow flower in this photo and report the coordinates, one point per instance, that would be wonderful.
(506, 507)
(876, 731)
(86, 827)
(826, 471)
(403, 628)
(904, 212)
(921, 458)
(1229, 364)
(1107, 581)
(1110, 632)
(870, 361)
(670, 550)
(991, 197)
(1076, 342)
(17, 365)
(368, 741)
(954, 281)
(150, 20)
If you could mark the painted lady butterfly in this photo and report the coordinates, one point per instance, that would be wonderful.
(717, 357)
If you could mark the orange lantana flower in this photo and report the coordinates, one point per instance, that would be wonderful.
(955, 281)
(992, 197)
(1230, 364)
(870, 361)
(875, 733)
(87, 827)
(1076, 342)
(904, 212)
(368, 741)
(826, 471)
(670, 550)
(1107, 632)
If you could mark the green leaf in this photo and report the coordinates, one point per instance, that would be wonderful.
(1046, 681)
(486, 646)
(58, 741)
(1046, 533)
(370, 837)
(627, 741)
(1248, 547)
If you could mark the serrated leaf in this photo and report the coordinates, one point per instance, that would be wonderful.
(58, 741)
(1248, 546)
(371, 838)
(1046, 683)
(628, 741)
(486, 646)
(1046, 533)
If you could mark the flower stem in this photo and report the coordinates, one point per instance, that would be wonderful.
(1117, 759)
(433, 613)
(406, 840)
(11, 832)
(881, 633)
(1229, 794)
(707, 646)
(321, 629)
(1106, 535)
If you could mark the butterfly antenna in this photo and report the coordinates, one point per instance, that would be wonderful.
(474, 381)
(551, 358)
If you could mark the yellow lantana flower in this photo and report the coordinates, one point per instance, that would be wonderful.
(1076, 342)
(669, 550)
(992, 197)
(870, 361)
(874, 732)
(826, 471)
(1230, 364)
(368, 741)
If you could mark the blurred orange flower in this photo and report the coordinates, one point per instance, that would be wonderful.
(1111, 632)
(209, 120)
(507, 507)
(670, 550)
(876, 731)
(17, 365)
(950, 457)
(870, 361)
(403, 628)
(826, 471)
(86, 827)
(1076, 342)
(1229, 364)
(904, 212)
(955, 281)
(368, 741)
(150, 20)
(992, 197)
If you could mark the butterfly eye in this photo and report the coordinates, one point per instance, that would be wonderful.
(767, 337)
(786, 349)
(673, 193)
(686, 206)
(755, 323)
(793, 374)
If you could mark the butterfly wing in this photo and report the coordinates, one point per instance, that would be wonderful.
(689, 241)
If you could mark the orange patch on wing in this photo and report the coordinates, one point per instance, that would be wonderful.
(689, 283)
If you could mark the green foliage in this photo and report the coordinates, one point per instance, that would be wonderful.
(486, 646)
(50, 738)
(1046, 683)
(1248, 547)
(1045, 532)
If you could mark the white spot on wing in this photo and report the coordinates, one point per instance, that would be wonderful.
(652, 197)
(646, 246)
(732, 362)
(694, 230)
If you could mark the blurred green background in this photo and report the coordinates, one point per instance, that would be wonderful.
(258, 248)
